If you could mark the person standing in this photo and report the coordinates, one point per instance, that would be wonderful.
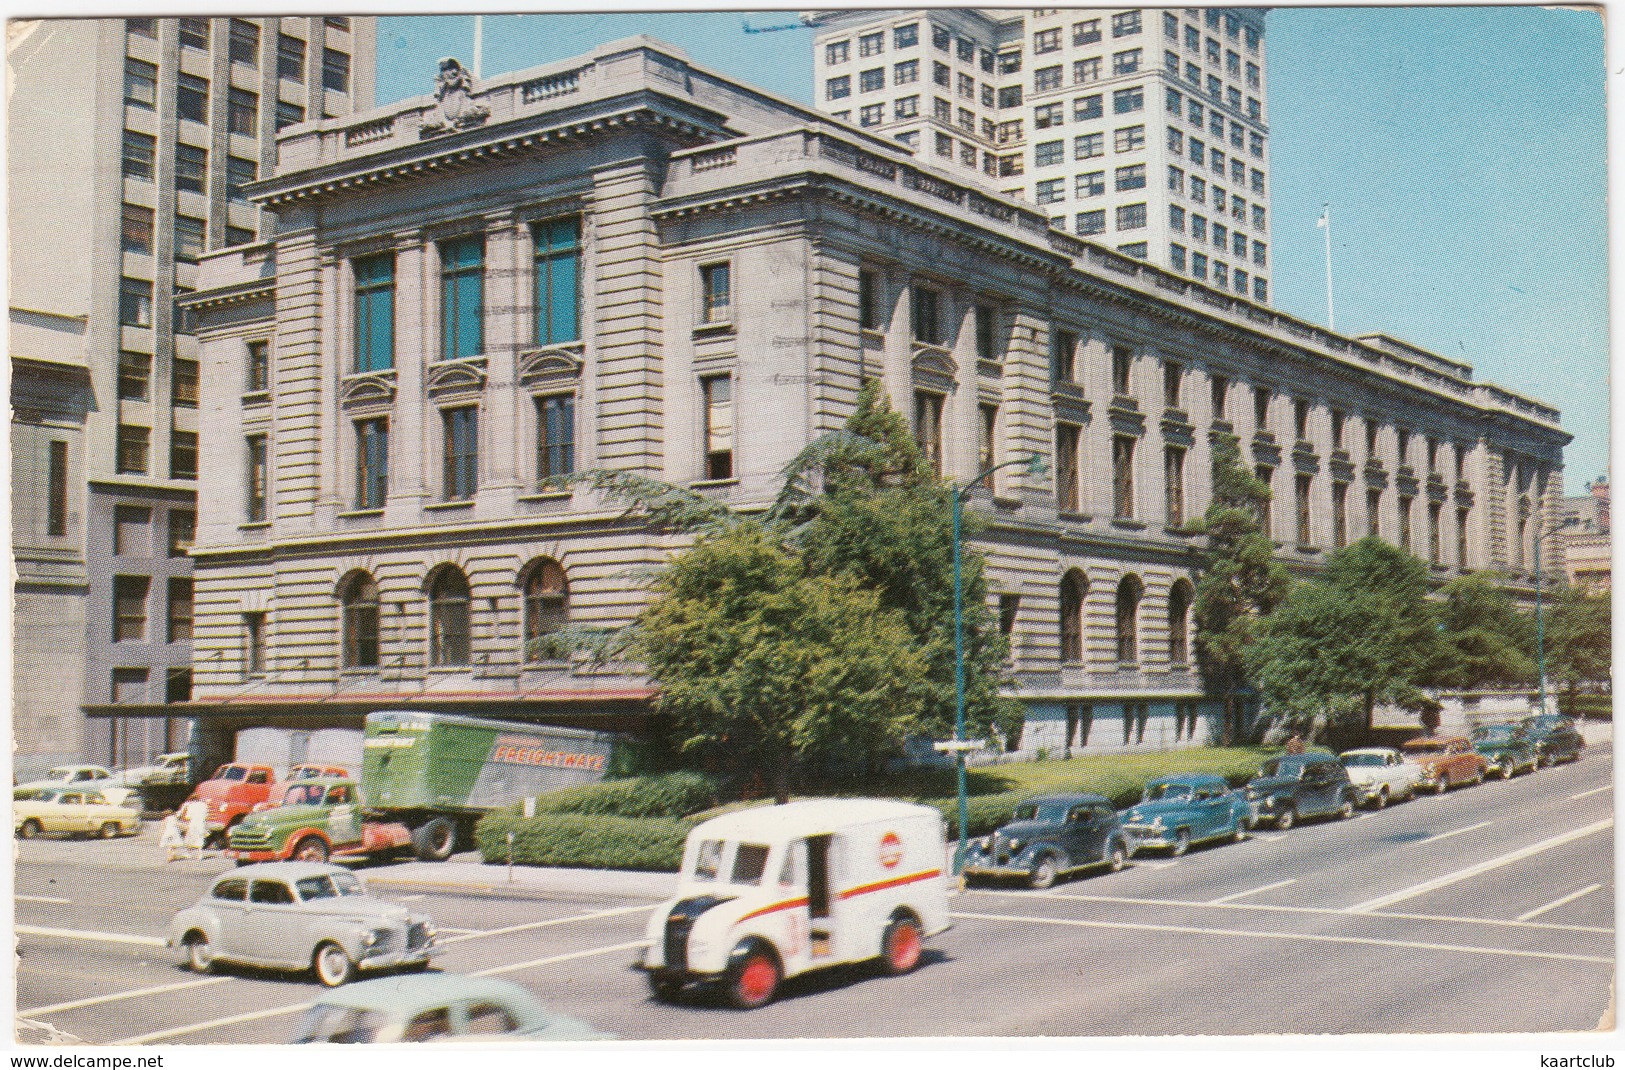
(195, 814)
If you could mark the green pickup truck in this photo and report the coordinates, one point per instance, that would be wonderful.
(425, 779)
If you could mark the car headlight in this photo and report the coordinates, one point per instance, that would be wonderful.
(1015, 845)
(1156, 823)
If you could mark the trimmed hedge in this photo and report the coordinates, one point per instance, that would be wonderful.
(595, 841)
(667, 795)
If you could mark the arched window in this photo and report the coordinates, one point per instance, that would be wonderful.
(1128, 619)
(358, 594)
(1074, 585)
(1521, 543)
(547, 605)
(1179, 629)
(448, 617)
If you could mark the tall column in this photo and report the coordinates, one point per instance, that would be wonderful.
(503, 326)
(409, 441)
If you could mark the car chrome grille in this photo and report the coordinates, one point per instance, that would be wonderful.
(677, 929)
(250, 839)
(417, 936)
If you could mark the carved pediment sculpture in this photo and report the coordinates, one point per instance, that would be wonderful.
(555, 365)
(455, 379)
(455, 107)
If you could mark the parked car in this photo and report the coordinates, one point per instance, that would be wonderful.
(1290, 787)
(1506, 748)
(168, 769)
(72, 810)
(1177, 811)
(1446, 761)
(1556, 738)
(1381, 775)
(431, 1007)
(89, 777)
(1050, 836)
(300, 916)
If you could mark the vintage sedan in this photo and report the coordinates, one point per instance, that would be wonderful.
(1290, 787)
(89, 777)
(1507, 749)
(1177, 811)
(1381, 775)
(304, 916)
(1049, 836)
(435, 1007)
(1556, 738)
(1446, 761)
(74, 811)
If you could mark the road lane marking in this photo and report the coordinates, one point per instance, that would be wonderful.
(1459, 875)
(591, 916)
(213, 1023)
(1416, 945)
(1279, 908)
(1251, 891)
(1555, 903)
(87, 934)
(1155, 865)
(512, 966)
(1593, 791)
(1453, 832)
(113, 997)
(454, 929)
(40, 898)
(1267, 838)
(410, 898)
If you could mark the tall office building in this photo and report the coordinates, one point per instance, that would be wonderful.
(131, 140)
(1144, 130)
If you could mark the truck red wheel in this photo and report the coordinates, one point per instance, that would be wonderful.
(753, 980)
(901, 946)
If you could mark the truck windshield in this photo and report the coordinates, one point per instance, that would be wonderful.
(709, 861)
(231, 772)
(300, 794)
(750, 862)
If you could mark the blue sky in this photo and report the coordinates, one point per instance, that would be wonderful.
(1462, 151)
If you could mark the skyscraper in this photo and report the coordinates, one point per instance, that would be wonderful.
(130, 140)
(1144, 130)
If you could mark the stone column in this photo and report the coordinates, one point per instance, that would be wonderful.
(409, 440)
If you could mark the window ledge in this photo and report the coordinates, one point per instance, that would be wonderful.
(460, 503)
(548, 496)
(1005, 501)
(257, 397)
(720, 327)
(554, 665)
(359, 671)
(1072, 516)
(253, 525)
(354, 514)
(1307, 549)
(708, 484)
(1128, 523)
(1181, 530)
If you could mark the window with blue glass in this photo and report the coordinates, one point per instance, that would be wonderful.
(371, 462)
(556, 435)
(558, 273)
(462, 452)
(374, 312)
(462, 295)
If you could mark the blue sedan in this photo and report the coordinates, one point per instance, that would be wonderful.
(1177, 811)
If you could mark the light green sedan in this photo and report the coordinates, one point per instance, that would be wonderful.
(435, 1007)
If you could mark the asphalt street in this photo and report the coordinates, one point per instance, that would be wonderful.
(1486, 910)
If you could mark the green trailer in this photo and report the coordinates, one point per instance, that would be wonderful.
(436, 773)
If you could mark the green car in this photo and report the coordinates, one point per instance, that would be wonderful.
(435, 1006)
(1507, 748)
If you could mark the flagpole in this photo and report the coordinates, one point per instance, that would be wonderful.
(1326, 224)
(479, 43)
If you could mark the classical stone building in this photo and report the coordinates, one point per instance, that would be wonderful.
(629, 261)
(130, 143)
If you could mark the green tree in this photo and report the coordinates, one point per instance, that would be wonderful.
(1485, 640)
(1241, 581)
(1579, 639)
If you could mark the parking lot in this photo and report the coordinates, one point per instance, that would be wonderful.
(1486, 910)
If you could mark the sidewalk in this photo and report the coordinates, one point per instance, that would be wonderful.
(538, 882)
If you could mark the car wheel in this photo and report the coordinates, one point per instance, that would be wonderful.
(753, 979)
(433, 841)
(1286, 819)
(1443, 785)
(1504, 769)
(1381, 801)
(199, 955)
(332, 964)
(1478, 777)
(1182, 843)
(310, 849)
(1540, 760)
(1116, 857)
(665, 988)
(900, 947)
(30, 829)
(1044, 873)
(110, 830)
(1240, 834)
(1346, 810)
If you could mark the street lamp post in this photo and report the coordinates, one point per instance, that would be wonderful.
(1035, 466)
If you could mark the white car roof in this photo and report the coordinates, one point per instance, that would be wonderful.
(1384, 751)
(809, 817)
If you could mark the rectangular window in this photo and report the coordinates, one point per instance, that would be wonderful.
(1173, 465)
(288, 114)
(927, 316)
(1219, 394)
(56, 489)
(130, 608)
(182, 531)
(462, 297)
(192, 98)
(1173, 380)
(135, 303)
(906, 107)
(191, 168)
(1405, 522)
(1129, 138)
(239, 172)
(1010, 96)
(1092, 222)
(1373, 510)
(1123, 477)
(928, 427)
(1266, 515)
(1050, 191)
(1047, 41)
(1067, 437)
(1088, 146)
(906, 72)
(140, 152)
(1221, 274)
(371, 462)
(1089, 107)
(1435, 511)
(941, 38)
(1261, 291)
(1126, 62)
(1261, 408)
(944, 145)
(180, 610)
(1176, 256)
(147, 28)
(1300, 418)
(461, 452)
(1122, 370)
(258, 379)
(244, 43)
(1198, 260)
(1063, 348)
(965, 50)
(1176, 180)
(716, 293)
(1086, 32)
(967, 86)
(183, 383)
(1340, 515)
(132, 531)
(558, 272)
(1133, 177)
(140, 84)
(132, 449)
(1125, 101)
(1304, 485)
(872, 80)
(194, 33)
(254, 644)
(1125, 23)
(838, 87)
(1462, 515)
(191, 236)
(1131, 216)
(871, 44)
(906, 36)
(183, 454)
(837, 52)
(243, 112)
(1047, 78)
(257, 478)
(1085, 71)
(1176, 218)
(556, 435)
(1049, 153)
(335, 71)
(868, 300)
(290, 58)
(987, 440)
(136, 235)
(1048, 115)
(717, 396)
(986, 348)
(374, 312)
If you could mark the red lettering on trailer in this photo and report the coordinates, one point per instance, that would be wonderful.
(519, 753)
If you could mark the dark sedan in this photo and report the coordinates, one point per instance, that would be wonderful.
(1049, 836)
(1556, 738)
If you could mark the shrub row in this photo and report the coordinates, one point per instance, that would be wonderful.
(667, 795)
(595, 841)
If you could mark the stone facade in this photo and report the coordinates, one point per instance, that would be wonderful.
(738, 265)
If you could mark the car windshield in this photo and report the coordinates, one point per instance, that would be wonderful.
(327, 1024)
(1285, 766)
(328, 886)
(1492, 734)
(1167, 792)
(47, 796)
(231, 772)
(1424, 748)
(1353, 760)
(300, 794)
(1047, 812)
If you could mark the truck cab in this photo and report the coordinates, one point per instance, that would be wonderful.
(770, 893)
(233, 791)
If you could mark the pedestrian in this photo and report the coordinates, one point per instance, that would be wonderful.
(1295, 744)
(169, 836)
(195, 813)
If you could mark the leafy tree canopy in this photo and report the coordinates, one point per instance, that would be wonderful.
(1485, 641)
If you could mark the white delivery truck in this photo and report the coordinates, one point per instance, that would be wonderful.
(773, 892)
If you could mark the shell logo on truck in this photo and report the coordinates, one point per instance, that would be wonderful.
(891, 850)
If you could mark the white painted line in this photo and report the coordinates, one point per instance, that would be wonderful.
(410, 898)
(40, 899)
(1593, 791)
(1250, 891)
(1483, 867)
(550, 922)
(1312, 937)
(213, 1023)
(1156, 865)
(512, 966)
(454, 929)
(1555, 903)
(86, 934)
(1268, 838)
(113, 997)
(1453, 832)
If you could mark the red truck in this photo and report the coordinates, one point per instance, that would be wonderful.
(238, 787)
